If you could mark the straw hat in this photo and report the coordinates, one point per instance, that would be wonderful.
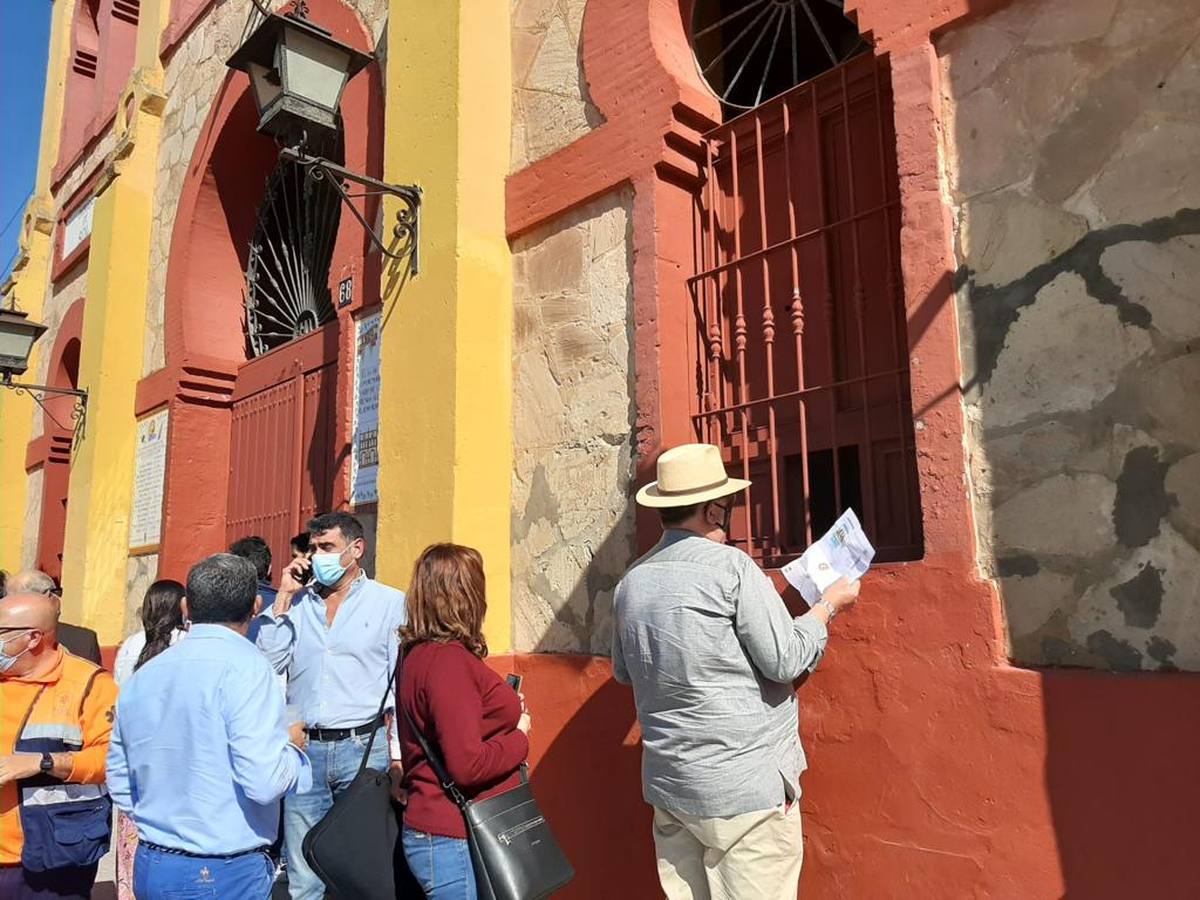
(687, 474)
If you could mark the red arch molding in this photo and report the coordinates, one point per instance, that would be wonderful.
(203, 333)
(51, 450)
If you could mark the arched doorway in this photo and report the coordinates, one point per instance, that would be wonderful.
(259, 358)
(54, 448)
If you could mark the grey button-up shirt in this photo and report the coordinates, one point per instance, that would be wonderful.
(711, 651)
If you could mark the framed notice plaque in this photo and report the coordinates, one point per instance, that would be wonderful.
(364, 461)
(149, 471)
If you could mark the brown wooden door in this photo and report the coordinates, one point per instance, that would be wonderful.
(285, 452)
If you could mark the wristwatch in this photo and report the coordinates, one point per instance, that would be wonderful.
(829, 606)
(47, 764)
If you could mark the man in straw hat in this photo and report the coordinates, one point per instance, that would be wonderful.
(711, 652)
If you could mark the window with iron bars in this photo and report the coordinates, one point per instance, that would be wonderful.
(800, 350)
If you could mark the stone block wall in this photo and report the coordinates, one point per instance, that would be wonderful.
(550, 106)
(140, 573)
(1072, 163)
(573, 421)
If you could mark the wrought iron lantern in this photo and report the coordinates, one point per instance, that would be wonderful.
(18, 334)
(298, 71)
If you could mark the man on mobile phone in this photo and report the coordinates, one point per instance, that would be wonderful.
(712, 652)
(335, 632)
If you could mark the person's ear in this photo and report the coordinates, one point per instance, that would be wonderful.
(258, 605)
(357, 548)
(183, 608)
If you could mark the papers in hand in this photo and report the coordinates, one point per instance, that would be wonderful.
(841, 551)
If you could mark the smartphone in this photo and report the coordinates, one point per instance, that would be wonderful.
(514, 682)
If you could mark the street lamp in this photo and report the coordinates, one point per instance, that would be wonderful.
(18, 334)
(298, 72)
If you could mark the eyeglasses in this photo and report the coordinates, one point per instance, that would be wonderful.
(19, 628)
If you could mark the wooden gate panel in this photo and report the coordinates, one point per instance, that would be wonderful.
(320, 442)
(261, 467)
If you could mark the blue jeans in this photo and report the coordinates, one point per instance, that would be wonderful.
(441, 864)
(334, 765)
(171, 876)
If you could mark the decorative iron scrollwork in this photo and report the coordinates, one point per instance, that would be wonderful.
(287, 272)
(37, 393)
(749, 51)
(407, 227)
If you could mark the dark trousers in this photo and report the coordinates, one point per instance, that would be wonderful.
(19, 883)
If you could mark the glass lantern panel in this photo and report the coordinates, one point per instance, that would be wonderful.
(266, 84)
(314, 70)
(16, 341)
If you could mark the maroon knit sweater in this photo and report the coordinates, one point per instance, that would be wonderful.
(469, 714)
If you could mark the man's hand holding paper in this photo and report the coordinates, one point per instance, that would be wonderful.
(842, 552)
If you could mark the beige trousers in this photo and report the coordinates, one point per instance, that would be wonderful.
(754, 856)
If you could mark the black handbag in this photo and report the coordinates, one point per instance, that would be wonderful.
(513, 852)
(353, 849)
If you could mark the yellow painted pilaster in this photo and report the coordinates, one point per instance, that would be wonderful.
(29, 284)
(110, 365)
(446, 368)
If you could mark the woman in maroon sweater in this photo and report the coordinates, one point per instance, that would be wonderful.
(463, 709)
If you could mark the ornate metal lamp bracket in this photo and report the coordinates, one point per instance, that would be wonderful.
(407, 228)
(37, 393)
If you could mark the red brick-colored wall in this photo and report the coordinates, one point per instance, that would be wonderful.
(938, 770)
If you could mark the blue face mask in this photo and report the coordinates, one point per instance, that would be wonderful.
(6, 661)
(327, 567)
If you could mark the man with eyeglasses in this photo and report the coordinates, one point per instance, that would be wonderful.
(81, 641)
(56, 715)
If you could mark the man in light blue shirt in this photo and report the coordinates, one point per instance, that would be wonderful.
(201, 752)
(337, 639)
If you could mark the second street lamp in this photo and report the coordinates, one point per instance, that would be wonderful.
(18, 334)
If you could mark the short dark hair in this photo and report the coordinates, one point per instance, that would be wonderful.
(221, 589)
(300, 543)
(676, 515)
(347, 524)
(257, 551)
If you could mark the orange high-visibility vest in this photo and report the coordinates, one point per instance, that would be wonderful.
(46, 822)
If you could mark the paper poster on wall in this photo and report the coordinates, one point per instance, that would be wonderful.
(150, 467)
(364, 463)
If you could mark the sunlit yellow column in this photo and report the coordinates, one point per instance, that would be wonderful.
(110, 364)
(446, 370)
(29, 283)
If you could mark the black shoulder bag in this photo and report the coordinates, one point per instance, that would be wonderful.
(354, 849)
(513, 852)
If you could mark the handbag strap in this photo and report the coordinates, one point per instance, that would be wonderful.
(435, 760)
(362, 766)
(436, 763)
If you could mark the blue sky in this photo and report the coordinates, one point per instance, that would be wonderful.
(24, 43)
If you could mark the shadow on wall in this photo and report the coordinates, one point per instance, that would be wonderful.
(587, 777)
(1072, 168)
